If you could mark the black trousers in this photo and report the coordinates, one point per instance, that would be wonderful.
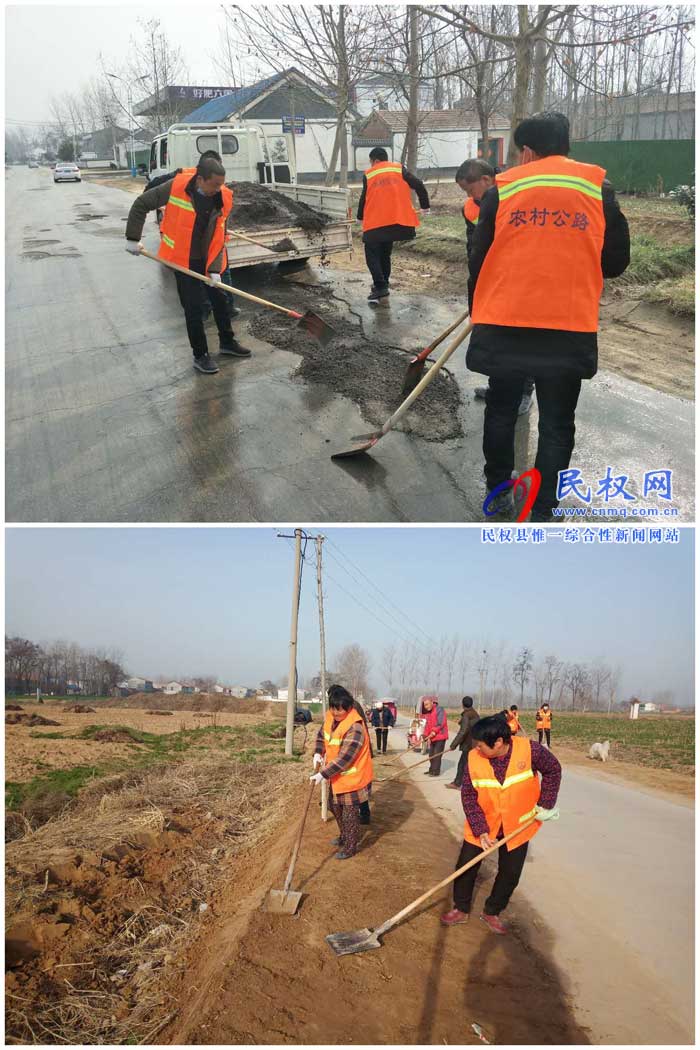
(436, 749)
(378, 258)
(382, 737)
(510, 866)
(556, 400)
(192, 295)
(549, 735)
(459, 775)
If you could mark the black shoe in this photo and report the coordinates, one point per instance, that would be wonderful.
(502, 503)
(376, 294)
(427, 773)
(233, 348)
(205, 364)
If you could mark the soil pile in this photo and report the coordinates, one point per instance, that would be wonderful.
(14, 707)
(101, 901)
(81, 709)
(368, 373)
(196, 702)
(28, 720)
(113, 736)
(256, 207)
(158, 712)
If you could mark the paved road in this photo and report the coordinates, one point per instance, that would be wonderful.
(608, 894)
(107, 421)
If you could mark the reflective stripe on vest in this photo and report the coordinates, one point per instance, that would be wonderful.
(358, 775)
(178, 223)
(387, 198)
(543, 269)
(510, 804)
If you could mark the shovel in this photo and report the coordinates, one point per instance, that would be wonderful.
(368, 441)
(364, 940)
(286, 901)
(309, 321)
(416, 367)
(279, 247)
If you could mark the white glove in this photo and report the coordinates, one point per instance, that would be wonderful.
(318, 761)
(215, 277)
(316, 778)
(134, 247)
(546, 814)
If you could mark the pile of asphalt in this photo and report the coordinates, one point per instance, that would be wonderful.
(258, 207)
(368, 373)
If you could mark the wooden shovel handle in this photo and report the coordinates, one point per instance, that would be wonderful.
(297, 844)
(427, 378)
(220, 286)
(407, 769)
(450, 878)
(436, 342)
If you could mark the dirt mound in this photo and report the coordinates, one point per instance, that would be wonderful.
(368, 373)
(207, 702)
(80, 709)
(257, 206)
(158, 712)
(113, 736)
(29, 720)
(14, 707)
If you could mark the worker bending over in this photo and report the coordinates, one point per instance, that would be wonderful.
(501, 791)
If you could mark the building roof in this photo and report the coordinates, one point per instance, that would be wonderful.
(435, 120)
(218, 109)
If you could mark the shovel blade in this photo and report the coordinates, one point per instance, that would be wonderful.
(357, 450)
(354, 942)
(281, 903)
(414, 374)
(316, 326)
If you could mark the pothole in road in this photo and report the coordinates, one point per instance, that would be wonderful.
(68, 254)
(88, 217)
(40, 244)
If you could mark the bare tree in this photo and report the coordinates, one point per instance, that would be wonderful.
(522, 669)
(577, 680)
(353, 664)
(389, 660)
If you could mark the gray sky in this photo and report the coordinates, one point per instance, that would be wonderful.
(52, 49)
(186, 601)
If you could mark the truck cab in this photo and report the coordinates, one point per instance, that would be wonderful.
(248, 154)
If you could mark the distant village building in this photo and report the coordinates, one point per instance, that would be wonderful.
(172, 688)
(283, 694)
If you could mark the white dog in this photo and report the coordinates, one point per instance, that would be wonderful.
(600, 751)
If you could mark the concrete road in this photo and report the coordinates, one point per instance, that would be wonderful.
(107, 421)
(608, 895)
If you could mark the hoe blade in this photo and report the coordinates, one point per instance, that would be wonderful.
(316, 326)
(368, 441)
(351, 943)
(281, 903)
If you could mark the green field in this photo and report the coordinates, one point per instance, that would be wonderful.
(653, 740)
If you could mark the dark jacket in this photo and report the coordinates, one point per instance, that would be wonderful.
(157, 197)
(381, 234)
(382, 718)
(540, 352)
(463, 739)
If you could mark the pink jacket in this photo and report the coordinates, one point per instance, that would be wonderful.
(436, 721)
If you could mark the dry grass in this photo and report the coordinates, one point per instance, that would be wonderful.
(112, 991)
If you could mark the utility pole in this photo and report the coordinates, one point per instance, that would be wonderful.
(324, 696)
(292, 684)
(481, 680)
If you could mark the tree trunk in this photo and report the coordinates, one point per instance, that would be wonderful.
(411, 143)
(539, 78)
(523, 68)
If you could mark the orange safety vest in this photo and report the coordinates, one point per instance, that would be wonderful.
(543, 269)
(514, 723)
(178, 224)
(543, 719)
(359, 775)
(388, 198)
(471, 210)
(508, 804)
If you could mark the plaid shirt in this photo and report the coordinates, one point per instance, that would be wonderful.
(543, 762)
(349, 750)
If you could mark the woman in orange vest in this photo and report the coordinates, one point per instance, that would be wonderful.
(387, 214)
(500, 791)
(543, 723)
(197, 205)
(513, 719)
(549, 231)
(343, 757)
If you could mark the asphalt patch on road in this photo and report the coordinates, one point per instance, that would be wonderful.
(256, 206)
(90, 215)
(368, 373)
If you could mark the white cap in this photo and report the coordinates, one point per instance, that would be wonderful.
(378, 703)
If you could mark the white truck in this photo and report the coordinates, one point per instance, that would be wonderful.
(249, 154)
